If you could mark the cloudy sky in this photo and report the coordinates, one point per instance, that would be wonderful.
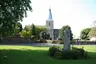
(78, 14)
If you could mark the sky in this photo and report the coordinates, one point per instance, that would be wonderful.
(78, 14)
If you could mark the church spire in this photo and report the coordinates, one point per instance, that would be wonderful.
(50, 15)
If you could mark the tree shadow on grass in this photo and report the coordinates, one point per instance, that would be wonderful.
(12, 56)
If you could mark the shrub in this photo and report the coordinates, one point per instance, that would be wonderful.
(58, 55)
(49, 41)
(41, 41)
(53, 50)
(71, 42)
(67, 54)
(80, 51)
(75, 53)
(54, 41)
(61, 42)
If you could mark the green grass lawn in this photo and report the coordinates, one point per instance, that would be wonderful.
(38, 55)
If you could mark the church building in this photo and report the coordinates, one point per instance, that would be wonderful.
(54, 33)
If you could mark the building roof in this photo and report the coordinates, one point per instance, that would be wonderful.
(50, 15)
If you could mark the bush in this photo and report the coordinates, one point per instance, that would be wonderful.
(41, 41)
(61, 42)
(67, 54)
(58, 55)
(71, 42)
(53, 50)
(79, 52)
(55, 42)
(49, 41)
(75, 53)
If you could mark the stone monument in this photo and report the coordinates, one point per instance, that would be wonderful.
(67, 39)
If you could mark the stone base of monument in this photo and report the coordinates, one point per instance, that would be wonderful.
(74, 53)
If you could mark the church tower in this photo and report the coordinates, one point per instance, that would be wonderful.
(50, 25)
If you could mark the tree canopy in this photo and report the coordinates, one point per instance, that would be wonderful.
(84, 33)
(62, 32)
(18, 27)
(27, 27)
(11, 12)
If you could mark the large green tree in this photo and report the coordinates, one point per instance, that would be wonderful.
(11, 12)
(62, 32)
(84, 33)
(18, 28)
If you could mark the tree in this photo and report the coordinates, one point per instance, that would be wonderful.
(27, 28)
(62, 32)
(92, 32)
(33, 29)
(40, 29)
(26, 34)
(84, 33)
(18, 28)
(11, 12)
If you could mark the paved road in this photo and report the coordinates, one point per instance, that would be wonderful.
(40, 44)
(36, 44)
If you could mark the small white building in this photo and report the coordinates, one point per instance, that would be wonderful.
(93, 38)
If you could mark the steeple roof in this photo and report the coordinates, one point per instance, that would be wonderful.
(50, 15)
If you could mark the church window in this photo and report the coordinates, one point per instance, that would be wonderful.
(49, 23)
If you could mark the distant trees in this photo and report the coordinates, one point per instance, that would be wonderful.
(84, 33)
(33, 31)
(62, 32)
(27, 27)
(40, 29)
(25, 34)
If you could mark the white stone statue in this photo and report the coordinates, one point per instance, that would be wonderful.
(67, 39)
